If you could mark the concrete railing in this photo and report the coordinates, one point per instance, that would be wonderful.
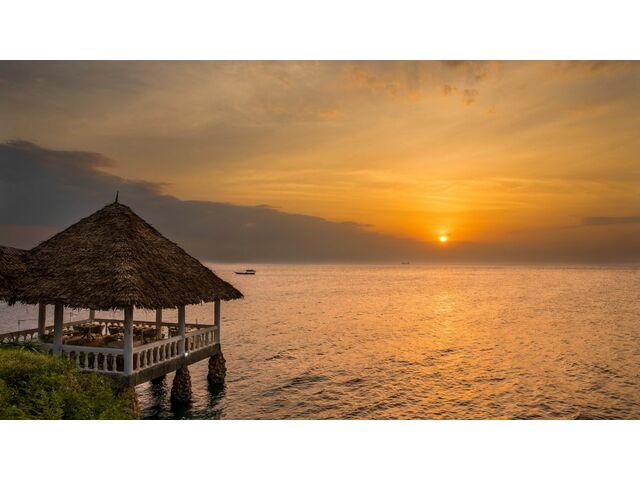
(92, 359)
(200, 338)
(154, 353)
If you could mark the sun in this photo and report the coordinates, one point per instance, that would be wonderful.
(443, 238)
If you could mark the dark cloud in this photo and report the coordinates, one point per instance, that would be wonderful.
(114, 76)
(49, 187)
(598, 67)
(43, 190)
(55, 158)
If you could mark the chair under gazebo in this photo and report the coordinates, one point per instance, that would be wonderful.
(114, 260)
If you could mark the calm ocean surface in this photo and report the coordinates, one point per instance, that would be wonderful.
(416, 342)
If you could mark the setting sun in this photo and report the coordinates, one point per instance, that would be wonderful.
(443, 239)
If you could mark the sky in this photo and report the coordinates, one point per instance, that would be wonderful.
(332, 161)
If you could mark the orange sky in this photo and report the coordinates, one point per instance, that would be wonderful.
(499, 152)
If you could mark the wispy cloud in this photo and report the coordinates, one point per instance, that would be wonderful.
(610, 220)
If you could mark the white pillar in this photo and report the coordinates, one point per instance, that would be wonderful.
(216, 321)
(158, 322)
(42, 320)
(128, 340)
(182, 328)
(58, 321)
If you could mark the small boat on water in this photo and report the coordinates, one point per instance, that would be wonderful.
(248, 271)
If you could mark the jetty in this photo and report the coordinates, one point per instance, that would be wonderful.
(115, 261)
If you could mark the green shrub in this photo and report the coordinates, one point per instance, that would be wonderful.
(38, 386)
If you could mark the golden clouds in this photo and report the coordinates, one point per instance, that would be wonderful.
(483, 148)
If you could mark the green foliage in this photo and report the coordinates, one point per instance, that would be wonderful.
(38, 386)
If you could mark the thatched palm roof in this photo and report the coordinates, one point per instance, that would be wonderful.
(114, 259)
(11, 267)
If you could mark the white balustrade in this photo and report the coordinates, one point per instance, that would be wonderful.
(93, 359)
(154, 353)
(111, 360)
(200, 338)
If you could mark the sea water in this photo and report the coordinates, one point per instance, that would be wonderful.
(413, 342)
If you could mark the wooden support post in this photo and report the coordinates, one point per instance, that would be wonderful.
(42, 320)
(182, 328)
(58, 321)
(216, 321)
(158, 323)
(92, 315)
(128, 340)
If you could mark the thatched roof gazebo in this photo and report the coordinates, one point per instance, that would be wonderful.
(114, 260)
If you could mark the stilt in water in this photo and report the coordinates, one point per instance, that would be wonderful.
(181, 389)
(217, 369)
